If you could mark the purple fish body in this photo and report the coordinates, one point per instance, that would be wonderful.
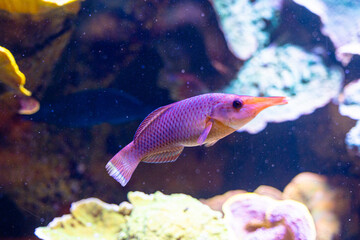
(164, 133)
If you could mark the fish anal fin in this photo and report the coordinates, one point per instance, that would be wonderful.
(150, 118)
(169, 155)
(209, 144)
(205, 133)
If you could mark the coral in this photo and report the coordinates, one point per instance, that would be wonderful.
(326, 203)
(89, 219)
(38, 31)
(352, 139)
(246, 24)
(340, 21)
(350, 106)
(38, 6)
(217, 202)
(253, 216)
(286, 71)
(177, 216)
(28, 105)
(12, 104)
(269, 191)
(350, 100)
(35, 26)
(154, 216)
(10, 73)
(328, 199)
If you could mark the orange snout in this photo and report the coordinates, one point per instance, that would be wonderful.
(260, 103)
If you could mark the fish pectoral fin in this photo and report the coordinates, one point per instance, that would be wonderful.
(169, 155)
(209, 144)
(206, 131)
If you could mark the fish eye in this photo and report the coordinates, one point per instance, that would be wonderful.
(237, 104)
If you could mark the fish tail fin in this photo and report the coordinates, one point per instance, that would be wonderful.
(123, 164)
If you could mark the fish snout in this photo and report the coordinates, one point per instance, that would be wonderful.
(260, 103)
(273, 101)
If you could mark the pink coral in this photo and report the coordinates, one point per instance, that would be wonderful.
(325, 202)
(253, 216)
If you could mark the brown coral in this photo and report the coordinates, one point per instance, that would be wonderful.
(326, 203)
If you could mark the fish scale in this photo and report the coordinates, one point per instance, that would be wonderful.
(195, 121)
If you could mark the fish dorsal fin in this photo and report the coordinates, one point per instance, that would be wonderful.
(169, 155)
(150, 118)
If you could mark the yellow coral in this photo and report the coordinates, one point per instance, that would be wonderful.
(175, 216)
(146, 217)
(89, 219)
(38, 6)
(10, 73)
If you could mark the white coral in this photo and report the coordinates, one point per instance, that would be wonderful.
(286, 71)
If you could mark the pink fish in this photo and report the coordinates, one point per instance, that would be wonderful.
(195, 121)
